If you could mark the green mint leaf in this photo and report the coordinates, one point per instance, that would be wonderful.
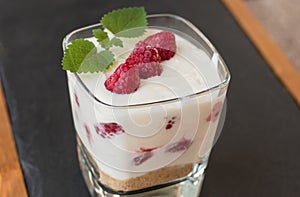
(126, 22)
(76, 53)
(95, 62)
(82, 56)
(105, 59)
(102, 38)
(116, 42)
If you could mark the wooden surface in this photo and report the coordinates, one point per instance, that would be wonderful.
(279, 63)
(281, 19)
(11, 178)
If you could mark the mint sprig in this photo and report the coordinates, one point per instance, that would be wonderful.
(104, 41)
(82, 55)
(126, 22)
(116, 42)
(102, 38)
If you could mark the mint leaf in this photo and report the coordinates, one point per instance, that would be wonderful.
(116, 42)
(82, 56)
(126, 22)
(102, 38)
(76, 53)
(95, 62)
(105, 59)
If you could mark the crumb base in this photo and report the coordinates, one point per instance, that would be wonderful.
(156, 177)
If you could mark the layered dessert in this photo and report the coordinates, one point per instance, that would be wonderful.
(146, 100)
(154, 132)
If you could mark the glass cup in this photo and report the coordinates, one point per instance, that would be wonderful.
(157, 147)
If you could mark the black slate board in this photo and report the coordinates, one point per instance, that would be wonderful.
(256, 155)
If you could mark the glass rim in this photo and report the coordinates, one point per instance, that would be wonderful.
(220, 85)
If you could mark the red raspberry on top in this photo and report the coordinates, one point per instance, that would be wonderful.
(143, 53)
(146, 59)
(150, 69)
(164, 42)
(142, 63)
(124, 80)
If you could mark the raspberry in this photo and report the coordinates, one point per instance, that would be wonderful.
(124, 80)
(170, 123)
(164, 42)
(213, 116)
(88, 133)
(108, 130)
(142, 149)
(76, 100)
(181, 145)
(142, 158)
(143, 53)
(150, 69)
(142, 63)
(146, 59)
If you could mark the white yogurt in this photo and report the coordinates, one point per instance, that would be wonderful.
(146, 126)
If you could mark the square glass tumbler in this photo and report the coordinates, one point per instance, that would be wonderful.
(158, 147)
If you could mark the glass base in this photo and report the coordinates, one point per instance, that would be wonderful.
(188, 186)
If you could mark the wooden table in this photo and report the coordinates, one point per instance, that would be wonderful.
(11, 178)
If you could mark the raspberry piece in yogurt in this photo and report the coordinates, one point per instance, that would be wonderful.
(170, 123)
(213, 116)
(142, 158)
(108, 130)
(142, 149)
(88, 133)
(181, 145)
(76, 100)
